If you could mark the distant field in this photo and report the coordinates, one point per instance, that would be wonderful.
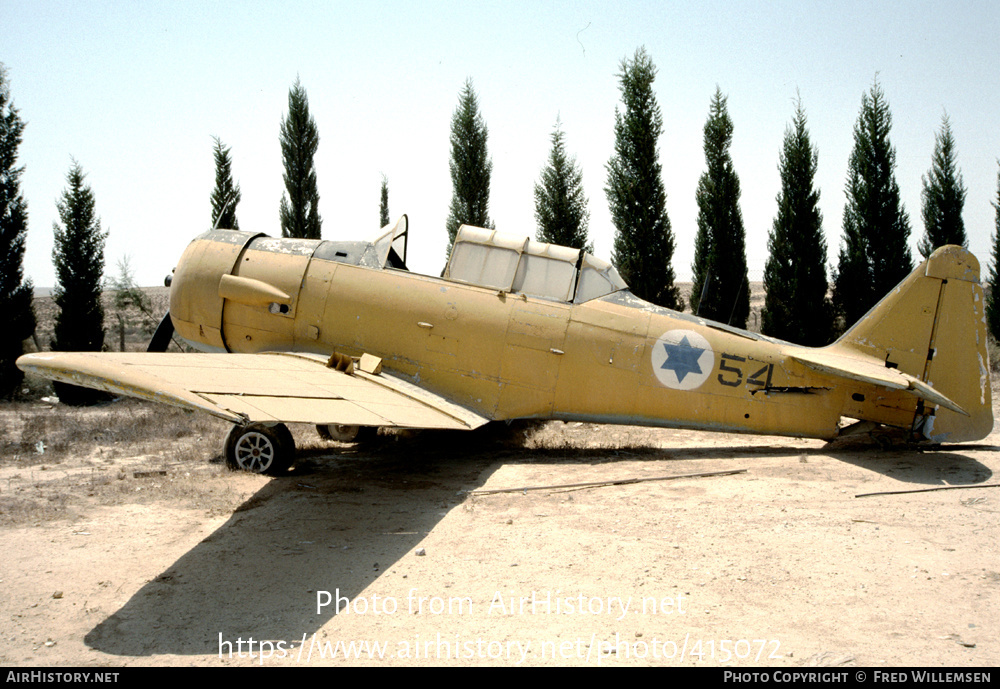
(756, 302)
(138, 328)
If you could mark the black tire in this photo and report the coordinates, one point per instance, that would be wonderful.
(260, 449)
(287, 440)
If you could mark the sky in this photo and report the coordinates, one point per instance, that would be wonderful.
(136, 91)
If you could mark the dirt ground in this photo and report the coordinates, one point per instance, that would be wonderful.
(118, 552)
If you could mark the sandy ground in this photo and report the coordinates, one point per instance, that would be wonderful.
(166, 558)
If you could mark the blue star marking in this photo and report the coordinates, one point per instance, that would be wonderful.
(682, 358)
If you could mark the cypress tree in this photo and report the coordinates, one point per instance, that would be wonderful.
(299, 141)
(644, 241)
(875, 255)
(560, 204)
(720, 246)
(78, 256)
(15, 292)
(226, 194)
(383, 208)
(796, 307)
(470, 165)
(993, 298)
(943, 196)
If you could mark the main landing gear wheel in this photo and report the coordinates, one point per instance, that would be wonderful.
(344, 433)
(260, 449)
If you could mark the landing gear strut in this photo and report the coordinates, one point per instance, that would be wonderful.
(260, 449)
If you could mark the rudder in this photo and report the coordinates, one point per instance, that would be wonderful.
(932, 326)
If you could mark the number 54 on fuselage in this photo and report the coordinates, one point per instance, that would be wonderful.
(342, 334)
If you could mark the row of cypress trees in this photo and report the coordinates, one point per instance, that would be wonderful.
(78, 253)
(78, 256)
(873, 258)
(801, 304)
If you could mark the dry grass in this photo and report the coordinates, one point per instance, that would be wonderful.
(34, 433)
(56, 459)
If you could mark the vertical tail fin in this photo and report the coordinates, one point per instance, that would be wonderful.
(932, 326)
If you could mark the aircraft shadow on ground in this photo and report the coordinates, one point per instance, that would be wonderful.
(929, 466)
(329, 525)
(343, 517)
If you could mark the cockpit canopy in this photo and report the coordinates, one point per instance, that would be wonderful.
(510, 263)
(486, 258)
(388, 250)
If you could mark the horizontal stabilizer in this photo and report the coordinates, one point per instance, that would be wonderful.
(866, 370)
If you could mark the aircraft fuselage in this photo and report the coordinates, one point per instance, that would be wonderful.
(614, 359)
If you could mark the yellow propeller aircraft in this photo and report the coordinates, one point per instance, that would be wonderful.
(341, 335)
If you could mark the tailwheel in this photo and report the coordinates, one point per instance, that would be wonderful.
(884, 440)
(344, 433)
(260, 449)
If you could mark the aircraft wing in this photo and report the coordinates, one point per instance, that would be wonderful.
(242, 388)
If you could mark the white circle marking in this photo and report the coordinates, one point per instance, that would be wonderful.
(682, 359)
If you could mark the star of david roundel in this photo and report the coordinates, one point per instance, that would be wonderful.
(682, 359)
